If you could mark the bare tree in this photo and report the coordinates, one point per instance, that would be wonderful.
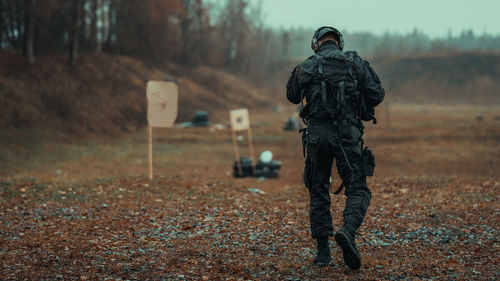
(3, 15)
(74, 31)
(93, 26)
(194, 28)
(12, 28)
(232, 26)
(29, 30)
(185, 28)
(110, 22)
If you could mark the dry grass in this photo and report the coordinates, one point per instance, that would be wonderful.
(421, 140)
(85, 210)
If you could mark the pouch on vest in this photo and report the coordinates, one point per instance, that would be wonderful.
(309, 140)
(308, 172)
(345, 129)
(304, 112)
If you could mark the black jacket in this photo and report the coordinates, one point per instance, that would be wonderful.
(304, 83)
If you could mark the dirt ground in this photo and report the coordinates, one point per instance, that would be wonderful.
(84, 210)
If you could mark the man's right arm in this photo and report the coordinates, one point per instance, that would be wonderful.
(293, 89)
(299, 80)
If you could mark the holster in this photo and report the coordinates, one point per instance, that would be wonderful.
(368, 161)
(304, 140)
(308, 166)
(308, 172)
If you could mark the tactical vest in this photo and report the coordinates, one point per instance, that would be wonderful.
(333, 92)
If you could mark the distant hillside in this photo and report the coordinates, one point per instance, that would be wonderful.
(463, 78)
(106, 93)
(446, 78)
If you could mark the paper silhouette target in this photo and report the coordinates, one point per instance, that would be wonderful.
(162, 103)
(239, 119)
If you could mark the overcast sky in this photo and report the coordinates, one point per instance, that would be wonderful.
(433, 17)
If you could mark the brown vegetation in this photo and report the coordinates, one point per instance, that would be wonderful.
(446, 78)
(86, 210)
(74, 199)
(105, 94)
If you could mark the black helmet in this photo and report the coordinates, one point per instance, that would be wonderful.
(322, 31)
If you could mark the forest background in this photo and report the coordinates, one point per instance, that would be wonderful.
(68, 62)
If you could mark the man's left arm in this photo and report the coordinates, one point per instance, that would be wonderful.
(370, 84)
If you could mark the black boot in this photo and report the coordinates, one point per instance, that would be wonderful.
(323, 256)
(345, 239)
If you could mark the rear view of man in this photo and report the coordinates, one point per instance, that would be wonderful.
(340, 89)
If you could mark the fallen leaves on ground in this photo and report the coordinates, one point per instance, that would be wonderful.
(187, 228)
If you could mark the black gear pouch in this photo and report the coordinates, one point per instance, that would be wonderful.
(368, 161)
(345, 129)
(308, 173)
(304, 111)
(308, 169)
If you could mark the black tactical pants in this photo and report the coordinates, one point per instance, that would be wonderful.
(321, 151)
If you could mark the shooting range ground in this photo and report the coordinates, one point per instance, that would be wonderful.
(85, 208)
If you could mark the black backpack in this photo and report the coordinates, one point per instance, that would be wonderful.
(339, 77)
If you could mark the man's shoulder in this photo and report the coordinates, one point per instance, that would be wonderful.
(351, 53)
(354, 56)
(309, 61)
(308, 64)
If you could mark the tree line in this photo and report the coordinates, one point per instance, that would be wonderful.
(184, 31)
(231, 34)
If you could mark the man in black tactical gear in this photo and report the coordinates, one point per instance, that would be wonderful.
(340, 89)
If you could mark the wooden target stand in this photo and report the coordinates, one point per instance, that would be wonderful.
(240, 121)
(150, 152)
(162, 111)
